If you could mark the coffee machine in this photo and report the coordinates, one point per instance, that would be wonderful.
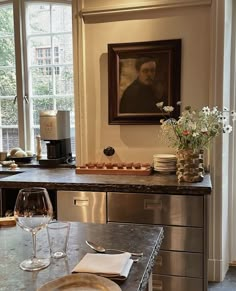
(55, 130)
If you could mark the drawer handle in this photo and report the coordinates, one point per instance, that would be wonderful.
(158, 285)
(152, 204)
(80, 202)
(159, 261)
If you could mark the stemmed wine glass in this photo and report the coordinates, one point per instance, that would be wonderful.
(33, 211)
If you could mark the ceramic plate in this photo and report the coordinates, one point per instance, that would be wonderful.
(79, 282)
(164, 156)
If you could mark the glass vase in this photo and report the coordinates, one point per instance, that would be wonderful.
(190, 165)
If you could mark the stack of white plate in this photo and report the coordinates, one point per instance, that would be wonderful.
(164, 163)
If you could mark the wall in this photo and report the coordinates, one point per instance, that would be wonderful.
(200, 25)
(98, 28)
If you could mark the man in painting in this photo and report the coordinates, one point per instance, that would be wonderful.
(141, 95)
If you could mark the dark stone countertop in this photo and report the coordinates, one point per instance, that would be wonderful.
(16, 245)
(67, 179)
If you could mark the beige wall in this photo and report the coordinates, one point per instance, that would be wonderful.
(137, 142)
(200, 25)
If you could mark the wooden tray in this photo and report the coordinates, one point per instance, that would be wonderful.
(143, 171)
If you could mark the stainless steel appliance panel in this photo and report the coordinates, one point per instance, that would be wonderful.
(1, 210)
(81, 206)
(172, 283)
(180, 238)
(155, 209)
(179, 264)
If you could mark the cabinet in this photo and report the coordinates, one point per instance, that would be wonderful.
(182, 261)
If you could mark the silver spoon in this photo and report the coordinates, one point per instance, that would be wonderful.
(100, 249)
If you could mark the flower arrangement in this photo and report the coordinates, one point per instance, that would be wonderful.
(194, 129)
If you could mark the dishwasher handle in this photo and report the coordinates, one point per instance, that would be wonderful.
(152, 204)
(77, 201)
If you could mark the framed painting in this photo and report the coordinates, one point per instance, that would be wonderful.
(140, 75)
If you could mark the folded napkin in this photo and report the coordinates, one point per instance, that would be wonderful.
(111, 266)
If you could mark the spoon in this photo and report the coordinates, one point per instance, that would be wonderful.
(100, 249)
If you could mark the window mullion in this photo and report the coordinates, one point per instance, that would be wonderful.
(27, 107)
(17, 6)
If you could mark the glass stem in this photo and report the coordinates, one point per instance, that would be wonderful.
(34, 245)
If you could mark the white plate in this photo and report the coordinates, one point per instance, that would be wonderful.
(164, 156)
(80, 282)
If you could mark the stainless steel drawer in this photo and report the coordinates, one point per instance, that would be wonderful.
(180, 238)
(155, 209)
(81, 206)
(179, 264)
(168, 283)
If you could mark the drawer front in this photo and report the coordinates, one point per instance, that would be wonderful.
(155, 209)
(81, 206)
(179, 238)
(179, 264)
(168, 283)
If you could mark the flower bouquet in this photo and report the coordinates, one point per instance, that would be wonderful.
(191, 134)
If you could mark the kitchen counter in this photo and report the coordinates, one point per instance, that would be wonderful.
(67, 179)
(157, 199)
(16, 245)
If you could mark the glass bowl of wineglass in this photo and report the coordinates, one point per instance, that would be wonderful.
(33, 211)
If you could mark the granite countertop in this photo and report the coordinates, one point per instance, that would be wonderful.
(16, 245)
(67, 179)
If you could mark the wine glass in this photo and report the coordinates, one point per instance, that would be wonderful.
(33, 211)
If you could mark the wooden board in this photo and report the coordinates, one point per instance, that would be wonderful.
(7, 221)
(142, 171)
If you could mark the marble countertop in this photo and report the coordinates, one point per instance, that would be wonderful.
(67, 179)
(16, 245)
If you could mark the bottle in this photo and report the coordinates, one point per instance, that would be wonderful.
(38, 147)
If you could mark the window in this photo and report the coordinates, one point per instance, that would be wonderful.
(39, 52)
(44, 67)
(47, 52)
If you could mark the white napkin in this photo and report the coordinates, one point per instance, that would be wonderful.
(112, 266)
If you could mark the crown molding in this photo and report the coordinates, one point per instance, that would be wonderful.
(88, 13)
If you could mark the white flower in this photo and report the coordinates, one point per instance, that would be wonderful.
(222, 118)
(170, 121)
(162, 121)
(203, 129)
(233, 114)
(159, 104)
(168, 108)
(195, 134)
(178, 103)
(214, 109)
(206, 110)
(227, 128)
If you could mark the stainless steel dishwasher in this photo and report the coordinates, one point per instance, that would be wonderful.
(81, 206)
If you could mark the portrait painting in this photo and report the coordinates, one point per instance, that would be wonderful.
(141, 75)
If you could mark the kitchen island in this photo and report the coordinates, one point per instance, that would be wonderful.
(181, 208)
(16, 245)
(67, 179)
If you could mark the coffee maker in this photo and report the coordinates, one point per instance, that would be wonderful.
(55, 130)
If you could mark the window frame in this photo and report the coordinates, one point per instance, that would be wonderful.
(26, 140)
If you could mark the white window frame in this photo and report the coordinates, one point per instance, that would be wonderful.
(23, 107)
